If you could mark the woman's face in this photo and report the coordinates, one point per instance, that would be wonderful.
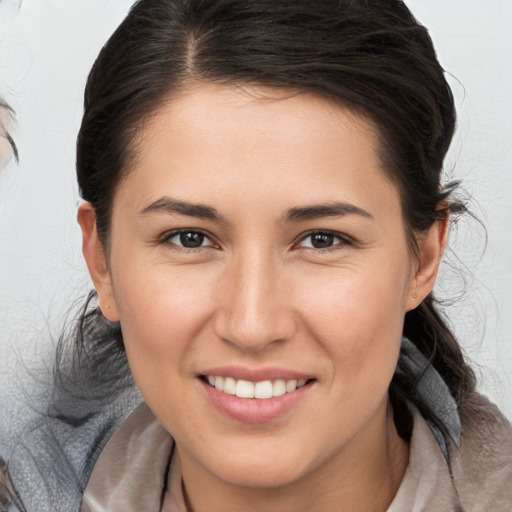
(257, 245)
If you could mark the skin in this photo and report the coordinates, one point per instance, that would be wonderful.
(256, 294)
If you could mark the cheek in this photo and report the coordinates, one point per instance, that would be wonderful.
(357, 316)
(358, 323)
(357, 300)
(162, 311)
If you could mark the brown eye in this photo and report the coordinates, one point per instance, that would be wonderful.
(192, 239)
(188, 239)
(322, 240)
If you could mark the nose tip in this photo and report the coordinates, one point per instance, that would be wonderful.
(249, 331)
(255, 311)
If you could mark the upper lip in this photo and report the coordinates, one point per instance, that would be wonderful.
(256, 374)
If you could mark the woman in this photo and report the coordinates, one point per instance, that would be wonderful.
(7, 149)
(263, 223)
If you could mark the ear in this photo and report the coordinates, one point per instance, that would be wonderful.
(94, 254)
(431, 247)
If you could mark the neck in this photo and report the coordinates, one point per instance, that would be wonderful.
(366, 476)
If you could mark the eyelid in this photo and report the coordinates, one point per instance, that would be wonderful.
(168, 235)
(344, 239)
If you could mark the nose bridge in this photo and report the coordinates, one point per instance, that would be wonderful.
(255, 311)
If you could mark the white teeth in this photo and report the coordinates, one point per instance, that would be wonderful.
(291, 385)
(279, 387)
(244, 389)
(261, 390)
(229, 386)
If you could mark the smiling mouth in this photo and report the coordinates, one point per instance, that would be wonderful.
(261, 390)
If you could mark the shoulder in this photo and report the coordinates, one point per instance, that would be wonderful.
(482, 466)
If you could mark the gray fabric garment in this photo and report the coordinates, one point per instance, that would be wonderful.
(434, 393)
(52, 458)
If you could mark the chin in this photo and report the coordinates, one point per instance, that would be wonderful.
(260, 462)
(269, 474)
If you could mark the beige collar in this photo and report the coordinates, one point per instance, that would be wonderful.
(131, 472)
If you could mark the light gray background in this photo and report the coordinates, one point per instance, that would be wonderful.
(46, 50)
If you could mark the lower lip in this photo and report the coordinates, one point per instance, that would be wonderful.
(254, 410)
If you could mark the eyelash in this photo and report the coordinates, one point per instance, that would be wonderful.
(167, 237)
(342, 240)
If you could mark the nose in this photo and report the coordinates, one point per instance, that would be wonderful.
(255, 304)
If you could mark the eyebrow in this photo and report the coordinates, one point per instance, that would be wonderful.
(335, 209)
(169, 205)
(297, 214)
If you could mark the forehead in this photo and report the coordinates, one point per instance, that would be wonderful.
(257, 140)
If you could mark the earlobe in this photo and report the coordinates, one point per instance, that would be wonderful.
(94, 255)
(431, 247)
